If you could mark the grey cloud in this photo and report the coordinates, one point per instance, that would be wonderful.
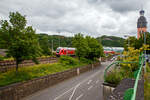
(125, 5)
(94, 17)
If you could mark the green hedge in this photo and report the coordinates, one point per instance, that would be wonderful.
(1, 58)
(67, 60)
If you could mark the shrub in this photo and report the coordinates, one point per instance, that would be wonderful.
(67, 60)
(129, 56)
(114, 77)
(84, 60)
(1, 58)
(9, 58)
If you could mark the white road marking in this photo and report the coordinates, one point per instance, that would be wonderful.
(90, 87)
(79, 97)
(63, 94)
(97, 81)
(78, 84)
(89, 81)
(74, 91)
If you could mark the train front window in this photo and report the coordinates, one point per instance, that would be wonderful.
(58, 50)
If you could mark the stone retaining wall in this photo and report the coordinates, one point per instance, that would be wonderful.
(22, 89)
(11, 64)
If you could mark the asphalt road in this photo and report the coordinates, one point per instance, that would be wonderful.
(86, 86)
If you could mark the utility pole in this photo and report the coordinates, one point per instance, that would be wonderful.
(59, 39)
(52, 45)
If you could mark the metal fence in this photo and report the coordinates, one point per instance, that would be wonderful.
(130, 94)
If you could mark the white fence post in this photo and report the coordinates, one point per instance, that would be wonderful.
(78, 71)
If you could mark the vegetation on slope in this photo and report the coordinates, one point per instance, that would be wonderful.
(111, 41)
(28, 73)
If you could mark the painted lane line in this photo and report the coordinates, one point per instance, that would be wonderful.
(89, 81)
(74, 91)
(64, 93)
(97, 81)
(79, 97)
(90, 87)
(78, 84)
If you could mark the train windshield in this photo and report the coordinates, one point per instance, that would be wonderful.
(57, 50)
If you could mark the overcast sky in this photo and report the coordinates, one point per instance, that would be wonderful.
(91, 17)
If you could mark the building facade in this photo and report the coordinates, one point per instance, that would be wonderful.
(141, 24)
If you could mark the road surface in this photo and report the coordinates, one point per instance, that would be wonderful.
(86, 86)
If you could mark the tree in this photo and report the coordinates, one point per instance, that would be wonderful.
(137, 43)
(44, 44)
(80, 44)
(95, 48)
(22, 40)
(130, 42)
(87, 47)
(4, 35)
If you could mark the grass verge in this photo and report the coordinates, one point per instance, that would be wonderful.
(28, 73)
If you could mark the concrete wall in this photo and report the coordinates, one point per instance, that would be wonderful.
(22, 89)
(107, 91)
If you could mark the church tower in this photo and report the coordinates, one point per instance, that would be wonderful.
(141, 24)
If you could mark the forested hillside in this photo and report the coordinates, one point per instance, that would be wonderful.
(64, 41)
(111, 41)
(46, 40)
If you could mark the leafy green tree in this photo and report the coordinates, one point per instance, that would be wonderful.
(137, 43)
(4, 35)
(44, 44)
(22, 40)
(130, 42)
(95, 48)
(80, 44)
(87, 47)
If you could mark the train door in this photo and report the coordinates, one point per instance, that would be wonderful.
(65, 52)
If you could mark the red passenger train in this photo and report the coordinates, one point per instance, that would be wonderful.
(65, 51)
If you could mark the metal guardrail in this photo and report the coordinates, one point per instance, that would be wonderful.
(129, 94)
(117, 62)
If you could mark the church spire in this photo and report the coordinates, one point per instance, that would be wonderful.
(141, 24)
(142, 12)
